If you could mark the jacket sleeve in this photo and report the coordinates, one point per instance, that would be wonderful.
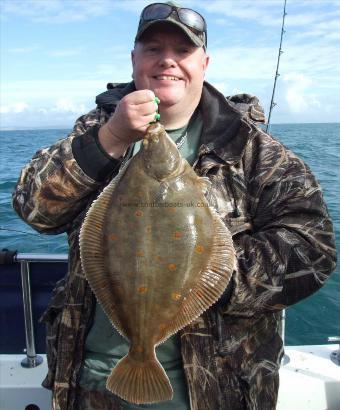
(55, 186)
(290, 250)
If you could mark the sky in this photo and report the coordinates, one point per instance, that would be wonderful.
(57, 55)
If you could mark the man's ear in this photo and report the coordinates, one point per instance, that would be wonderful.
(205, 62)
(133, 57)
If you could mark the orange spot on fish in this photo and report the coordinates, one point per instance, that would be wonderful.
(178, 235)
(113, 237)
(140, 253)
(139, 349)
(148, 229)
(175, 296)
(172, 209)
(199, 249)
(172, 266)
(139, 213)
(99, 226)
(142, 289)
(158, 258)
(162, 327)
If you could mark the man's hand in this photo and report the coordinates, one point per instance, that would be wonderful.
(128, 123)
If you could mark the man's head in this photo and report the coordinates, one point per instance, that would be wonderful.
(170, 57)
(189, 21)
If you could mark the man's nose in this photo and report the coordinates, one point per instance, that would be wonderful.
(167, 59)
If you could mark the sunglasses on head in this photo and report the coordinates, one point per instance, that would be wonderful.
(192, 19)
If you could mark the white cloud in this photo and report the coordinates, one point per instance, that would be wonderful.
(66, 105)
(16, 108)
(241, 63)
(53, 11)
(49, 91)
(64, 53)
(57, 12)
(267, 12)
(298, 95)
(23, 50)
(60, 113)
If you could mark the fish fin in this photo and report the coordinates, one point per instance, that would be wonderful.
(140, 382)
(212, 282)
(90, 242)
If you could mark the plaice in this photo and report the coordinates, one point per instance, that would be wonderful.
(156, 256)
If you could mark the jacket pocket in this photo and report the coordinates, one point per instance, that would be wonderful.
(52, 318)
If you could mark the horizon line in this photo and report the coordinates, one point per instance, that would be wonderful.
(69, 127)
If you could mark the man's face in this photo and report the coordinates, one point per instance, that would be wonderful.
(166, 62)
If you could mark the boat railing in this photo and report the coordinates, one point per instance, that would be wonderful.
(25, 259)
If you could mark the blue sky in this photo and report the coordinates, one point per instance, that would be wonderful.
(57, 55)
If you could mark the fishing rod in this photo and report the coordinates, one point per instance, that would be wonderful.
(272, 103)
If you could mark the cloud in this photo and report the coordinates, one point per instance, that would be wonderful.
(53, 11)
(61, 12)
(298, 95)
(61, 113)
(66, 105)
(266, 12)
(241, 63)
(64, 53)
(15, 108)
(23, 50)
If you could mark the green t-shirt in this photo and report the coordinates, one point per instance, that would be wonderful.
(104, 346)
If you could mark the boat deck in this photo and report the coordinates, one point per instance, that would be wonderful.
(308, 381)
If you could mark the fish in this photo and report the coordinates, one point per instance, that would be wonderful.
(156, 256)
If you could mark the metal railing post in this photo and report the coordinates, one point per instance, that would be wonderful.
(285, 358)
(335, 356)
(31, 359)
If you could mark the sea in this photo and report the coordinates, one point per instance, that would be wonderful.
(310, 321)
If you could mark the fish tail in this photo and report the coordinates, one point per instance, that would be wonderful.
(140, 382)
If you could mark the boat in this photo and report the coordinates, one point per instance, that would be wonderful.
(309, 374)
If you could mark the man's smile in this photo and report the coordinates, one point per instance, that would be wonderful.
(166, 77)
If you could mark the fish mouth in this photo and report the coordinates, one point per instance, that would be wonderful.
(153, 134)
(150, 140)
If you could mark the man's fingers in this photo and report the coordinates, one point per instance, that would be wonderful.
(140, 97)
(146, 108)
(145, 121)
(133, 114)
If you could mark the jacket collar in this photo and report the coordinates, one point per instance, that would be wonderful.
(225, 131)
(109, 99)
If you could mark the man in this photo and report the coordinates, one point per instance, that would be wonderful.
(229, 357)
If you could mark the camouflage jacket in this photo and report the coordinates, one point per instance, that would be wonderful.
(281, 230)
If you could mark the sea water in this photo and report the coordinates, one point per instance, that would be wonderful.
(309, 322)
